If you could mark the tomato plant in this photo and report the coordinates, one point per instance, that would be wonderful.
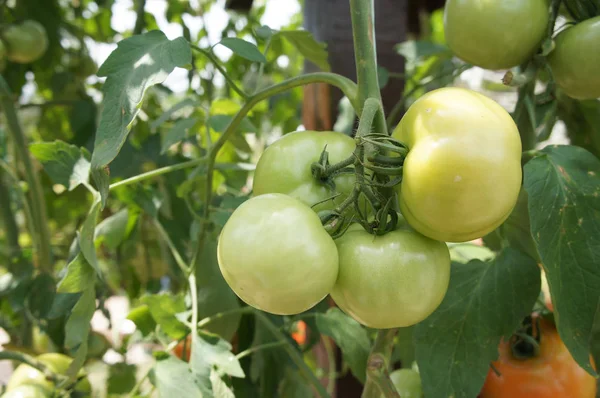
(378, 275)
(498, 35)
(463, 148)
(285, 276)
(574, 60)
(243, 199)
(550, 372)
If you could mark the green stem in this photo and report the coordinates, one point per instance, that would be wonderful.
(158, 172)
(11, 230)
(215, 61)
(261, 68)
(41, 233)
(210, 319)
(331, 373)
(176, 255)
(261, 347)
(138, 385)
(363, 31)
(378, 377)
(294, 355)
(194, 297)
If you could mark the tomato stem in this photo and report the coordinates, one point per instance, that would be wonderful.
(363, 31)
(378, 375)
(41, 234)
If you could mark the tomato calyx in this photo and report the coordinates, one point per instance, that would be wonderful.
(525, 342)
(324, 173)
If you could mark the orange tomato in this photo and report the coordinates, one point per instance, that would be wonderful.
(184, 345)
(299, 333)
(551, 374)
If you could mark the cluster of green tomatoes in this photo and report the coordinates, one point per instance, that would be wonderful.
(460, 180)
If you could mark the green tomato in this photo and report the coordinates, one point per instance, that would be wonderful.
(462, 175)
(498, 34)
(58, 363)
(276, 256)
(285, 167)
(28, 391)
(390, 281)
(576, 58)
(407, 383)
(26, 42)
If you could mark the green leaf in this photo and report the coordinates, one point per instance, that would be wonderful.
(564, 206)
(264, 32)
(383, 76)
(138, 63)
(484, 302)
(113, 230)
(66, 164)
(350, 336)
(62, 304)
(86, 235)
(219, 388)
(582, 119)
(143, 319)
(177, 133)
(210, 351)
(244, 49)
(166, 115)
(77, 327)
(41, 295)
(220, 122)
(174, 379)
(465, 252)
(306, 44)
(78, 361)
(102, 179)
(294, 385)
(416, 50)
(121, 378)
(163, 308)
(80, 276)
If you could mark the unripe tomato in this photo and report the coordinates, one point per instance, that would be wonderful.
(285, 167)
(462, 175)
(276, 256)
(28, 391)
(407, 383)
(497, 34)
(58, 363)
(390, 281)
(26, 42)
(576, 58)
(552, 374)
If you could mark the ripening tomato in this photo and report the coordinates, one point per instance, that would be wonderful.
(390, 281)
(495, 34)
(184, 345)
(552, 374)
(276, 256)
(299, 333)
(58, 363)
(462, 175)
(576, 58)
(25, 42)
(285, 167)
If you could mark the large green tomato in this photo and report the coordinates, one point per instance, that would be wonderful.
(462, 175)
(28, 391)
(390, 281)
(576, 58)
(58, 363)
(26, 42)
(285, 167)
(495, 34)
(407, 383)
(276, 256)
